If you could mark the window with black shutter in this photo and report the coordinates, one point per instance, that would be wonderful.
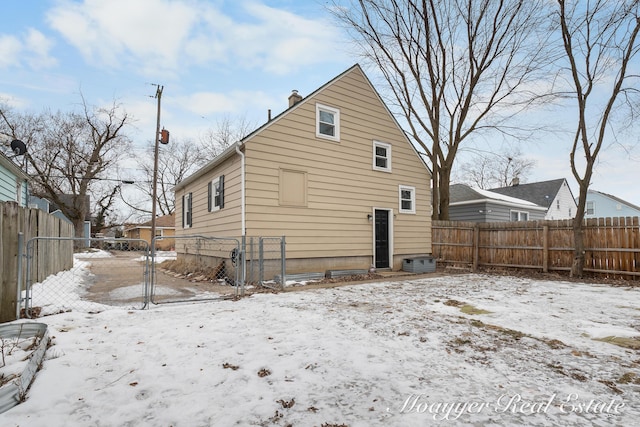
(215, 193)
(186, 211)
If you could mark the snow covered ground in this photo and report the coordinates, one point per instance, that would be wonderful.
(476, 350)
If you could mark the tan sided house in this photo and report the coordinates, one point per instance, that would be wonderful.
(333, 173)
(165, 227)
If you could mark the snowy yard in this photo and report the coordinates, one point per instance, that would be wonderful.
(471, 349)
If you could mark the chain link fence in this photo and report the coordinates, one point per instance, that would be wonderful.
(104, 274)
(203, 268)
(265, 261)
(98, 273)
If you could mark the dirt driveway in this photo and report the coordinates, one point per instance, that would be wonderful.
(119, 279)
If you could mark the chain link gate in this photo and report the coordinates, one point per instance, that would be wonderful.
(92, 275)
(265, 261)
(195, 268)
(95, 274)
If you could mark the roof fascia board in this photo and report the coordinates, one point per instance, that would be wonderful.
(227, 153)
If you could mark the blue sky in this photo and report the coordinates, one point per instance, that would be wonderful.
(214, 58)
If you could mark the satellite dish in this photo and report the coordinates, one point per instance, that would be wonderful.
(18, 147)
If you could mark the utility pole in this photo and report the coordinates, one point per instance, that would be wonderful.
(158, 96)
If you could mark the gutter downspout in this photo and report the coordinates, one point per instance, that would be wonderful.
(242, 204)
(242, 260)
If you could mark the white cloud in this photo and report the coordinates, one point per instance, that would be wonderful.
(33, 50)
(169, 35)
(13, 101)
(150, 30)
(283, 41)
(208, 103)
(10, 48)
(39, 45)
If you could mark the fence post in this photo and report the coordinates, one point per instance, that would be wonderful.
(10, 223)
(545, 249)
(476, 240)
(283, 257)
(19, 284)
(251, 274)
(243, 264)
(260, 260)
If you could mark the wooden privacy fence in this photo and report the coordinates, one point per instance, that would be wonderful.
(612, 245)
(32, 223)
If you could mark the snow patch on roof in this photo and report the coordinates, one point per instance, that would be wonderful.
(497, 196)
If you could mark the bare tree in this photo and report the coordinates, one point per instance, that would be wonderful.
(454, 68)
(103, 215)
(176, 161)
(69, 153)
(226, 131)
(181, 158)
(491, 170)
(600, 41)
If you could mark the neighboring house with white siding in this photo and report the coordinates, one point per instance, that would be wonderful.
(14, 182)
(603, 205)
(555, 195)
(334, 173)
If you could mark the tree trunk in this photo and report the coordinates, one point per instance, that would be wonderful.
(79, 227)
(577, 268)
(444, 180)
(435, 194)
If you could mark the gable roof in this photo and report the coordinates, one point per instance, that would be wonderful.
(12, 167)
(231, 150)
(165, 221)
(461, 194)
(616, 199)
(541, 193)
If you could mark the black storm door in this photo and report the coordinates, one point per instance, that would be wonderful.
(382, 238)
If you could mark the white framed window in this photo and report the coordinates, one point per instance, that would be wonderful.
(215, 194)
(186, 211)
(519, 216)
(327, 122)
(407, 199)
(591, 208)
(381, 156)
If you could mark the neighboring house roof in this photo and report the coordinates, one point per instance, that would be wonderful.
(12, 167)
(67, 201)
(165, 221)
(463, 194)
(231, 150)
(541, 193)
(616, 199)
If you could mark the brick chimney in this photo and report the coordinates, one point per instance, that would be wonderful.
(294, 98)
